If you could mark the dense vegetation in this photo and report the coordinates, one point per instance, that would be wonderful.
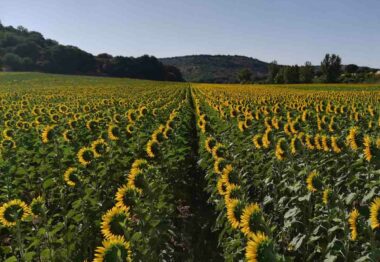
(216, 69)
(241, 69)
(23, 50)
(110, 169)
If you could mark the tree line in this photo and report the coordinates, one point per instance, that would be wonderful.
(23, 50)
(330, 70)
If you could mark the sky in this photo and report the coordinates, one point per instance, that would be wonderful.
(289, 31)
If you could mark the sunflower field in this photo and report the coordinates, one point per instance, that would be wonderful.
(100, 169)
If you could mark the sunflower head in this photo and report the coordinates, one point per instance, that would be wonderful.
(375, 213)
(113, 132)
(234, 211)
(115, 222)
(68, 135)
(312, 182)
(14, 211)
(219, 164)
(130, 129)
(326, 195)
(113, 249)
(251, 219)
(37, 206)
(152, 148)
(71, 176)
(210, 142)
(126, 196)
(352, 221)
(260, 248)
(8, 144)
(99, 147)
(47, 133)
(218, 151)
(85, 156)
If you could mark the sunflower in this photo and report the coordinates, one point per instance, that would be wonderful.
(375, 213)
(259, 248)
(8, 133)
(309, 142)
(352, 221)
(70, 177)
(114, 249)
(210, 143)
(47, 133)
(14, 211)
(68, 135)
(311, 181)
(126, 196)
(131, 116)
(367, 148)
(325, 145)
(266, 138)
(114, 222)
(317, 141)
(136, 180)
(85, 155)
(37, 206)
(140, 164)
(334, 145)
(218, 151)
(130, 128)
(280, 150)
(222, 187)
(256, 140)
(113, 132)
(99, 147)
(326, 195)
(92, 124)
(234, 211)
(352, 138)
(142, 111)
(251, 219)
(229, 176)
(152, 148)
(117, 118)
(167, 132)
(241, 126)
(8, 144)
(158, 135)
(219, 165)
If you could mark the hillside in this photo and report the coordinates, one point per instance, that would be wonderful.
(24, 50)
(215, 68)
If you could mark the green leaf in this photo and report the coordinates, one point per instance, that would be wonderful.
(29, 256)
(11, 259)
(48, 183)
(350, 198)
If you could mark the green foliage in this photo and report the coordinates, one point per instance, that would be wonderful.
(245, 76)
(23, 50)
(331, 68)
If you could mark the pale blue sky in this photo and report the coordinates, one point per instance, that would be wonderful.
(290, 31)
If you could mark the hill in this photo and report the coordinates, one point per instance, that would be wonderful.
(216, 68)
(24, 50)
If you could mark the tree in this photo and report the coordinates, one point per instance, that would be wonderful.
(279, 79)
(331, 68)
(273, 69)
(306, 73)
(12, 61)
(244, 75)
(291, 74)
(172, 73)
(351, 68)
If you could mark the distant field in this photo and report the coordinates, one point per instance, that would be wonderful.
(113, 169)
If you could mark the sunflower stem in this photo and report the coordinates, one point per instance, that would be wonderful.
(19, 240)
